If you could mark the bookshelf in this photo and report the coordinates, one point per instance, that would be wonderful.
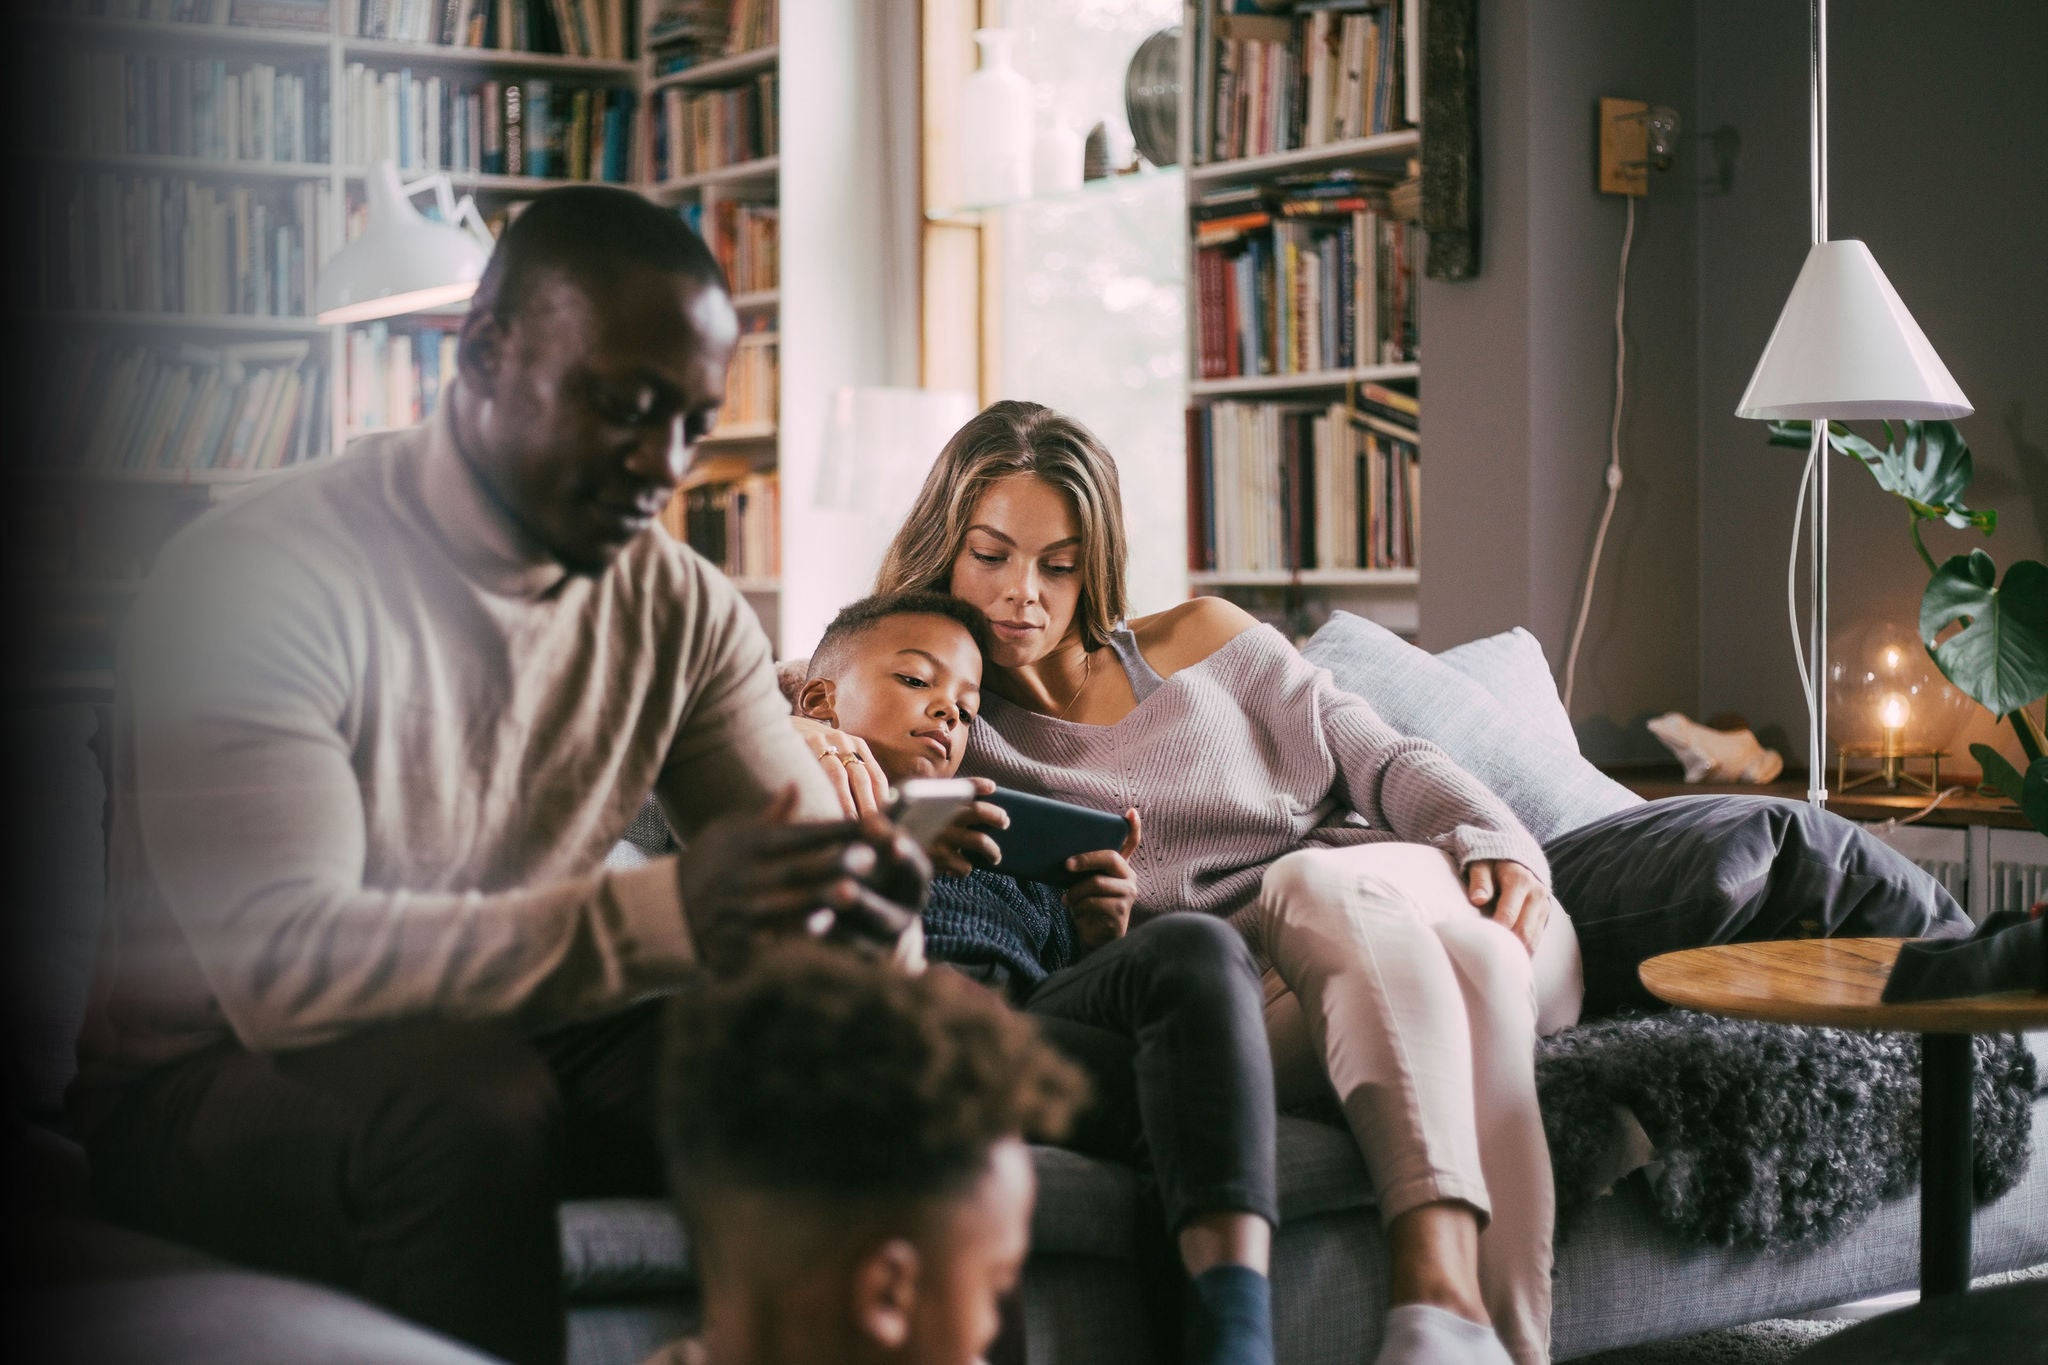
(1299, 137)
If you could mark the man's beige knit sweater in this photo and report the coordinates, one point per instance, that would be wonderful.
(372, 744)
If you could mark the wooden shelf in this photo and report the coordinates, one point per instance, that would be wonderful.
(1390, 147)
(758, 587)
(759, 301)
(745, 173)
(720, 70)
(192, 324)
(383, 52)
(193, 167)
(1254, 384)
(744, 433)
(1306, 578)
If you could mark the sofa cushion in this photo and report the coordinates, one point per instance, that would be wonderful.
(1511, 666)
(108, 1295)
(1548, 786)
(1688, 871)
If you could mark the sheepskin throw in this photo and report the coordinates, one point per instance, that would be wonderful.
(1767, 1136)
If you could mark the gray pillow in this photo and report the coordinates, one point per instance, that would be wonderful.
(1689, 871)
(1548, 786)
(1512, 667)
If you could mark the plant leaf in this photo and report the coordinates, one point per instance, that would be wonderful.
(2000, 658)
(1926, 463)
(2029, 792)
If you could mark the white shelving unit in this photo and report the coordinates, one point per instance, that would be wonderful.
(827, 174)
(1386, 595)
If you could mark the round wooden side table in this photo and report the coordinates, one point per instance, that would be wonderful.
(1838, 983)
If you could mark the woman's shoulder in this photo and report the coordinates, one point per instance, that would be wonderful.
(1188, 632)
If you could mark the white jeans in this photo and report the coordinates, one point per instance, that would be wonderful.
(1384, 983)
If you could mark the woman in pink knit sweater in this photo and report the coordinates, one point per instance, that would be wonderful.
(1411, 947)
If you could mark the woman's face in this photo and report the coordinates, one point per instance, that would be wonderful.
(1021, 564)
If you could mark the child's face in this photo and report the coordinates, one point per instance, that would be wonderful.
(972, 1257)
(911, 688)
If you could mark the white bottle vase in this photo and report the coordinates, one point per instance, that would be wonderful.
(995, 125)
(1056, 156)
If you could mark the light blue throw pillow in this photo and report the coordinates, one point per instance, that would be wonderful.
(1545, 782)
(1512, 667)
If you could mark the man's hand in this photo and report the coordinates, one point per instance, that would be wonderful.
(1101, 902)
(961, 846)
(1512, 895)
(749, 879)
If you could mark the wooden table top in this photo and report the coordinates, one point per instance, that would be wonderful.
(1865, 803)
(1836, 982)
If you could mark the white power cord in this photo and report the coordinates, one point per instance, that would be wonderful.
(1792, 576)
(1571, 658)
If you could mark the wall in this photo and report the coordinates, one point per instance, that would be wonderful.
(1519, 368)
(1939, 117)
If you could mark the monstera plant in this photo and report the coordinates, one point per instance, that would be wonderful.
(1989, 637)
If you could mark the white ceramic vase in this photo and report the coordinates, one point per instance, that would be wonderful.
(995, 125)
(1056, 155)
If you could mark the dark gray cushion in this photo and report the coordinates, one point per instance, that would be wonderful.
(55, 858)
(1688, 871)
(108, 1296)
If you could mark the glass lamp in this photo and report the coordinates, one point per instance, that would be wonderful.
(1889, 705)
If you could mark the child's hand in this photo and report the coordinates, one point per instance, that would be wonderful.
(849, 765)
(1101, 902)
(961, 846)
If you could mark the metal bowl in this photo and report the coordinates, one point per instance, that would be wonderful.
(1152, 97)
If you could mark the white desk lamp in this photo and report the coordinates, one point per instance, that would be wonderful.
(1844, 348)
(404, 262)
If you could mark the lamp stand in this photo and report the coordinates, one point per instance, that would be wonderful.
(1817, 654)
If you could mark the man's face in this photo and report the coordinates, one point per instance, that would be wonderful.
(594, 397)
(911, 688)
(973, 1257)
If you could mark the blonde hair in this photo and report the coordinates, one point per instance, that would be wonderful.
(1003, 440)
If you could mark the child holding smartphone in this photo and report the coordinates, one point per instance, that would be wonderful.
(1166, 1018)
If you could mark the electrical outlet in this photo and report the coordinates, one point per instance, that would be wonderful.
(1624, 147)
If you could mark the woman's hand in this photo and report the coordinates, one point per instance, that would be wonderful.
(961, 846)
(1513, 895)
(1101, 902)
(850, 768)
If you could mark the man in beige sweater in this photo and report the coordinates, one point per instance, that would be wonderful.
(368, 1003)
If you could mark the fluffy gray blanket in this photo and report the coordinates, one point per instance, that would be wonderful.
(1768, 1137)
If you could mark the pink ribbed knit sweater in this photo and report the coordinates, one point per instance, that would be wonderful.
(1240, 759)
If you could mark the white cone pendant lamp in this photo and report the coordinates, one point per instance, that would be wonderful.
(403, 262)
(1845, 347)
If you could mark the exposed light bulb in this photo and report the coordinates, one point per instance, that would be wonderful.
(1892, 712)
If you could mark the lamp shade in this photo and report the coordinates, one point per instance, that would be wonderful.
(402, 263)
(1845, 348)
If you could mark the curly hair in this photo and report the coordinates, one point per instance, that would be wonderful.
(855, 619)
(824, 1074)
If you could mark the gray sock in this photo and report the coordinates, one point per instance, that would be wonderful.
(1423, 1334)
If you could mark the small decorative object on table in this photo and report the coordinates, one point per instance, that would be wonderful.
(1095, 159)
(1887, 702)
(1711, 755)
(1152, 97)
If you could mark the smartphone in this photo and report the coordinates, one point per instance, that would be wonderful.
(926, 805)
(1044, 833)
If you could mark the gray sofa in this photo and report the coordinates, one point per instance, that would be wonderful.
(1621, 1277)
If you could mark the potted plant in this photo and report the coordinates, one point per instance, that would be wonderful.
(1989, 638)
